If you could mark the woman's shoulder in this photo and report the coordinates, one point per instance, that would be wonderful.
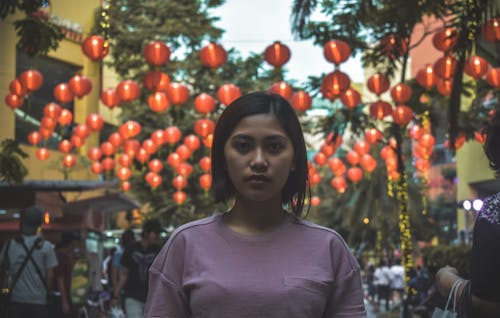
(319, 230)
(195, 226)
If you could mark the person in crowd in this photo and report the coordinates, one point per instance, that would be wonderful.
(65, 258)
(127, 238)
(258, 259)
(480, 294)
(135, 261)
(398, 281)
(31, 263)
(370, 283)
(383, 279)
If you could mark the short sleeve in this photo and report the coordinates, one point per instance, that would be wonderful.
(346, 299)
(166, 297)
(51, 257)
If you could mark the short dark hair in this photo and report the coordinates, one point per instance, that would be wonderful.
(151, 225)
(294, 191)
(492, 143)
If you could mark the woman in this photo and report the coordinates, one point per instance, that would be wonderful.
(258, 259)
(481, 296)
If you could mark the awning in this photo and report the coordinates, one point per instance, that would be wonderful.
(486, 188)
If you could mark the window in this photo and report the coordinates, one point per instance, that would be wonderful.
(29, 115)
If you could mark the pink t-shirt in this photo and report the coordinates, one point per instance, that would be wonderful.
(298, 270)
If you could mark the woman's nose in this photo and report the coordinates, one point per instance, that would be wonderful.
(259, 161)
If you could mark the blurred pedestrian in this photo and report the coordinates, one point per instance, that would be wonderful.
(136, 260)
(31, 263)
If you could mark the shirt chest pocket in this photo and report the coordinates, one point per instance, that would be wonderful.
(306, 297)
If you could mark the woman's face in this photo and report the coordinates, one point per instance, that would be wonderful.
(259, 157)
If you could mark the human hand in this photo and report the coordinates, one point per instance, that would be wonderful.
(445, 277)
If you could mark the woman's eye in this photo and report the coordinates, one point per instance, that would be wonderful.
(242, 146)
(276, 147)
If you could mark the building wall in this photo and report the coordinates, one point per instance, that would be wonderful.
(69, 51)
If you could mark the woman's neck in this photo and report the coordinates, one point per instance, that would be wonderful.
(255, 218)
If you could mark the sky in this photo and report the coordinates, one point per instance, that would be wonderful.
(251, 26)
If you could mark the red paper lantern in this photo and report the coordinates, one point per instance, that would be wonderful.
(380, 109)
(65, 146)
(128, 90)
(335, 83)
(156, 53)
(339, 183)
(350, 98)
(14, 101)
(80, 85)
(65, 118)
(373, 135)
(179, 197)
(402, 115)
(393, 46)
(156, 81)
(378, 83)
(205, 163)
(125, 186)
(158, 136)
(354, 174)
(177, 93)
(108, 164)
(334, 138)
(96, 167)
(142, 155)
(130, 147)
(427, 140)
(115, 139)
(95, 47)
(184, 152)
(445, 40)
(493, 77)
(94, 122)
(228, 93)
(203, 127)
(416, 131)
(81, 131)
(401, 93)
(45, 132)
(69, 160)
(445, 66)
(174, 160)
(387, 152)
(108, 149)
(328, 150)
(277, 54)
(192, 142)
(301, 101)
(62, 93)
(336, 166)
(368, 163)
(352, 157)
(426, 78)
(213, 55)
(179, 182)
(42, 154)
(422, 165)
(130, 129)
(320, 159)
(184, 169)
(361, 147)
(491, 30)
(158, 102)
(336, 51)
(76, 141)
(17, 88)
(125, 160)
(314, 179)
(48, 123)
(52, 110)
(123, 173)
(94, 153)
(150, 146)
(205, 181)
(444, 86)
(155, 180)
(480, 137)
(155, 165)
(204, 103)
(476, 67)
(283, 89)
(31, 79)
(109, 97)
(34, 138)
(172, 135)
(208, 140)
